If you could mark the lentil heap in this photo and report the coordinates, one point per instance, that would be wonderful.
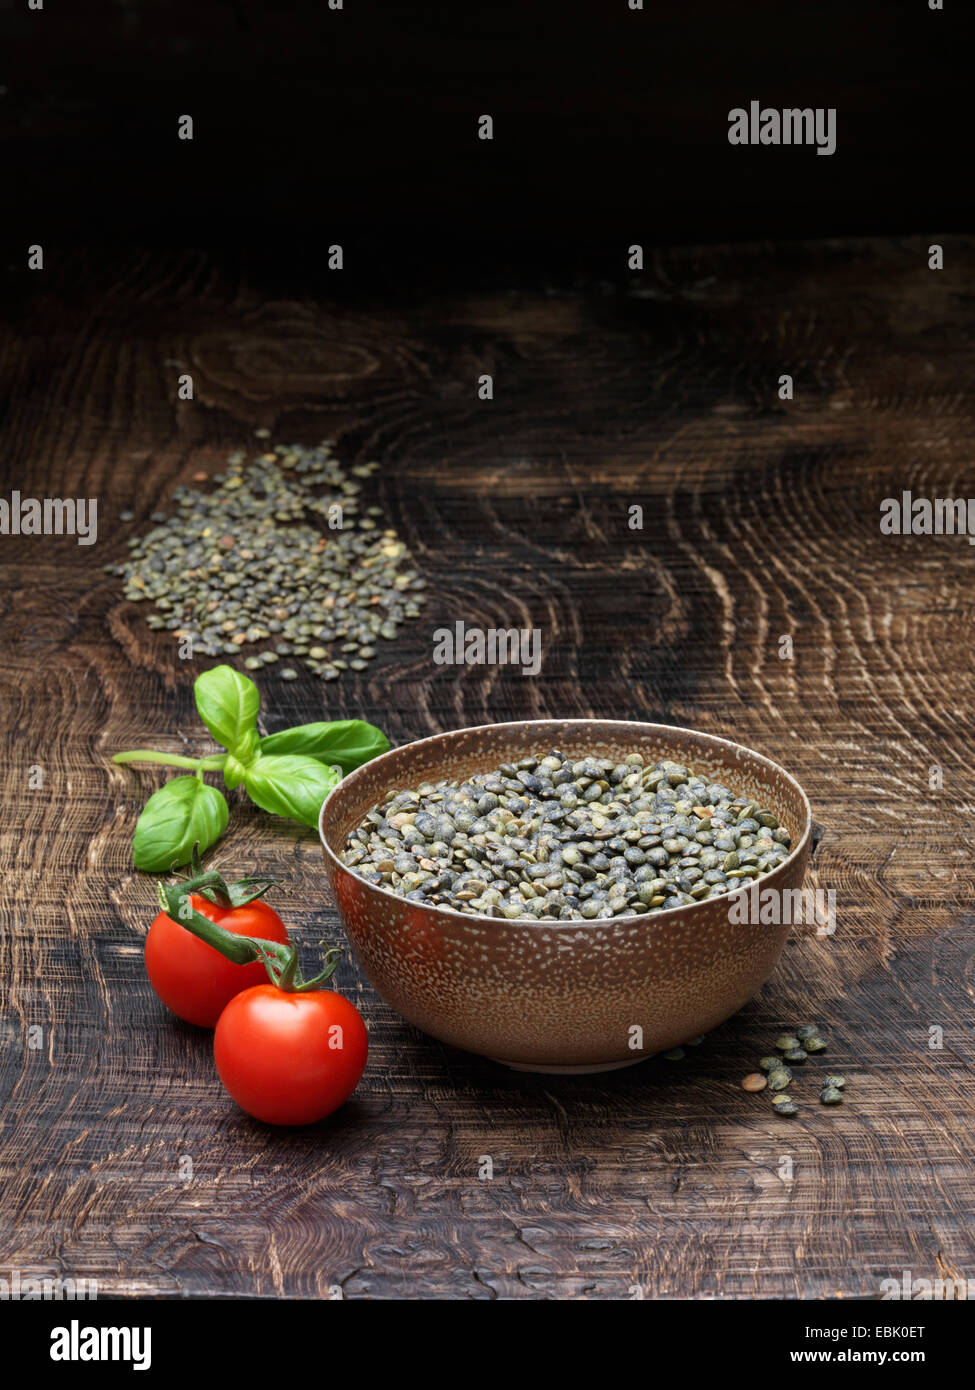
(559, 838)
(243, 565)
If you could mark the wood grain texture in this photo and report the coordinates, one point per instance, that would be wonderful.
(761, 520)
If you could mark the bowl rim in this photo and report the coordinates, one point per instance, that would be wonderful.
(595, 923)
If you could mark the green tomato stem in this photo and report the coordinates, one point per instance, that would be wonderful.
(280, 961)
(210, 883)
(149, 755)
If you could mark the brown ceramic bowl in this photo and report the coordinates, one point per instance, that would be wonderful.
(561, 996)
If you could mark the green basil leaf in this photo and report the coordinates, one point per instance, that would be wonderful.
(175, 817)
(233, 772)
(228, 704)
(347, 742)
(291, 786)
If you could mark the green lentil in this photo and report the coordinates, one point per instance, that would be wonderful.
(557, 838)
(276, 548)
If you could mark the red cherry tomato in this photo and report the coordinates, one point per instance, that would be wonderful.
(290, 1058)
(193, 979)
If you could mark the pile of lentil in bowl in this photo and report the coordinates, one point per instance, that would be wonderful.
(559, 838)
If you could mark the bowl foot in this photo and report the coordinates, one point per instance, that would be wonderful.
(580, 1069)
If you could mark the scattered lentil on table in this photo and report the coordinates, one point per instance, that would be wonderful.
(560, 838)
(245, 566)
(793, 1046)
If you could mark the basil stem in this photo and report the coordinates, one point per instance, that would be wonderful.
(148, 755)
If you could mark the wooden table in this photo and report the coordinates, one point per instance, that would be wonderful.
(120, 1157)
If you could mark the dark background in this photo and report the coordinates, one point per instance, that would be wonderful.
(358, 126)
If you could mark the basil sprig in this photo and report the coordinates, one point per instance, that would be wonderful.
(292, 786)
(184, 812)
(288, 773)
(346, 743)
(228, 704)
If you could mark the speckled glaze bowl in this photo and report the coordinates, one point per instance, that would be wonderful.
(561, 996)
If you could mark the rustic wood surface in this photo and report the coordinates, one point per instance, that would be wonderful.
(761, 520)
